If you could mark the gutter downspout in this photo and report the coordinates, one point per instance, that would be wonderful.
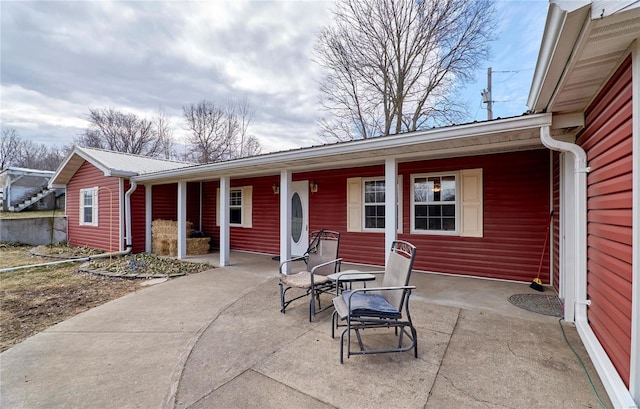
(580, 169)
(127, 213)
(615, 387)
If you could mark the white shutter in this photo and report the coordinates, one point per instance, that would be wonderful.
(471, 214)
(247, 206)
(354, 204)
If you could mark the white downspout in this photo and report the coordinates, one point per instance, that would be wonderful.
(127, 213)
(616, 389)
(579, 296)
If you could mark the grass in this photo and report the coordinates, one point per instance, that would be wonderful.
(31, 214)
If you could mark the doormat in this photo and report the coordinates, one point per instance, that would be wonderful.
(539, 303)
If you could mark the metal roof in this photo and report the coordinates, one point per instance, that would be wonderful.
(476, 138)
(111, 164)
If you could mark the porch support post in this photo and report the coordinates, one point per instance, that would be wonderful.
(148, 189)
(225, 187)
(182, 220)
(285, 217)
(390, 204)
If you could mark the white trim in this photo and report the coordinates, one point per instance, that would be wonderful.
(390, 205)
(225, 237)
(634, 375)
(364, 151)
(94, 207)
(182, 220)
(455, 232)
(364, 204)
(285, 218)
(148, 215)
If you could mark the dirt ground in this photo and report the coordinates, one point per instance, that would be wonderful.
(34, 299)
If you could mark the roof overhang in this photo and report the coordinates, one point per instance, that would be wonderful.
(501, 135)
(73, 161)
(583, 43)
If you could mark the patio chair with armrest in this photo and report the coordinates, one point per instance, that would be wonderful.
(386, 306)
(321, 259)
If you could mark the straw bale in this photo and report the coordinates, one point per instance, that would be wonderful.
(168, 228)
(198, 245)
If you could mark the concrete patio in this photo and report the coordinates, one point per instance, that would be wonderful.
(217, 340)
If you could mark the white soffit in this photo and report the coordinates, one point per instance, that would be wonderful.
(581, 56)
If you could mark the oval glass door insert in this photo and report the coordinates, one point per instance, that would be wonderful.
(296, 217)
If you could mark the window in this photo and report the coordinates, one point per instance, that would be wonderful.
(89, 206)
(366, 204)
(448, 203)
(235, 207)
(434, 203)
(240, 208)
(374, 204)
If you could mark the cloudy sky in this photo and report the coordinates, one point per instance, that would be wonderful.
(60, 58)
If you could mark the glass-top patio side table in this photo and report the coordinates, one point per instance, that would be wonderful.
(349, 277)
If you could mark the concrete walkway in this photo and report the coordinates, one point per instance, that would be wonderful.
(217, 340)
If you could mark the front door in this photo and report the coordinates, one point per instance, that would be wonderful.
(299, 217)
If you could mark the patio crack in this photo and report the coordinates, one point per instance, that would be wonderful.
(446, 350)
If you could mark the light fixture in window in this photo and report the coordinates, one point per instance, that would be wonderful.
(276, 189)
(313, 186)
(436, 187)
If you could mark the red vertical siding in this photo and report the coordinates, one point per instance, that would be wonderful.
(105, 235)
(555, 237)
(607, 139)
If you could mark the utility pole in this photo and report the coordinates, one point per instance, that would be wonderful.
(486, 96)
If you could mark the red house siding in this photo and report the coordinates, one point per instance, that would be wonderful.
(516, 212)
(555, 237)
(209, 198)
(100, 236)
(164, 199)
(264, 236)
(607, 139)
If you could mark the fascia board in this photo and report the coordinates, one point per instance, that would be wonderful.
(562, 30)
(375, 144)
(54, 179)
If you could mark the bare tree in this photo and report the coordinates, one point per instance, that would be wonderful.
(393, 65)
(15, 151)
(9, 148)
(126, 132)
(218, 132)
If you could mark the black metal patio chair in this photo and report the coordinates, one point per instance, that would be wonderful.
(386, 306)
(321, 259)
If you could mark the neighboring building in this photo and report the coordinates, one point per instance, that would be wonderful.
(22, 188)
(475, 199)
